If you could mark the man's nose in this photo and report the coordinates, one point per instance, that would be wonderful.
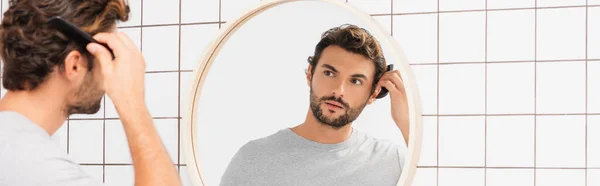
(339, 89)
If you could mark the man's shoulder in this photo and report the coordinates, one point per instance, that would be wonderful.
(271, 141)
(377, 142)
(22, 139)
(13, 123)
(28, 155)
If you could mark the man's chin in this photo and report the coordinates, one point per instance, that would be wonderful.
(336, 126)
(85, 110)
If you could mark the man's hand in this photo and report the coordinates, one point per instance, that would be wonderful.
(124, 76)
(123, 80)
(393, 82)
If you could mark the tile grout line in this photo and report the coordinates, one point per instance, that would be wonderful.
(179, 95)
(522, 114)
(481, 167)
(586, 91)
(108, 118)
(392, 18)
(483, 10)
(117, 164)
(535, 96)
(220, 14)
(501, 62)
(104, 141)
(68, 136)
(141, 23)
(486, 94)
(437, 174)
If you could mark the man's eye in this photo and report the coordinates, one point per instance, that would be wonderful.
(328, 73)
(356, 81)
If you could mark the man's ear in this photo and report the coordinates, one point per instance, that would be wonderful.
(75, 66)
(373, 96)
(308, 74)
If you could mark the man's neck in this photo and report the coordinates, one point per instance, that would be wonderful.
(43, 110)
(314, 130)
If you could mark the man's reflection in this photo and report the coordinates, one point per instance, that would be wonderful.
(345, 74)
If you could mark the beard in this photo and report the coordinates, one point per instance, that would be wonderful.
(88, 98)
(349, 115)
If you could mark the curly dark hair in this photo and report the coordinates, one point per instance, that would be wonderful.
(31, 49)
(353, 39)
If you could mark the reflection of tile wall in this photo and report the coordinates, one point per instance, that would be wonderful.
(510, 92)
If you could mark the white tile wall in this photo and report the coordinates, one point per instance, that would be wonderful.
(512, 177)
(117, 147)
(461, 141)
(462, 89)
(95, 171)
(425, 177)
(511, 35)
(373, 6)
(160, 46)
(568, 150)
(453, 5)
(417, 35)
(555, 3)
(385, 22)
(231, 9)
(119, 175)
(161, 94)
(511, 141)
(86, 141)
(412, 6)
(593, 177)
(593, 87)
(463, 177)
(504, 4)
(462, 37)
(514, 150)
(552, 177)
(197, 39)
(194, 11)
(158, 12)
(511, 94)
(594, 32)
(426, 76)
(561, 34)
(60, 136)
(185, 179)
(560, 87)
(593, 141)
(429, 147)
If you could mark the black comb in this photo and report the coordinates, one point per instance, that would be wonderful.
(79, 36)
(384, 91)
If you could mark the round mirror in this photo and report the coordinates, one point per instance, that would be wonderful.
(251, 122)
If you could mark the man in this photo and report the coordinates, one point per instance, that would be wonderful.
(345, 74)
(49, 78)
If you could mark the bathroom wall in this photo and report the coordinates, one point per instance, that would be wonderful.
(510, 88)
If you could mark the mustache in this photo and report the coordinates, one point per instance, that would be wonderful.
(339, 100)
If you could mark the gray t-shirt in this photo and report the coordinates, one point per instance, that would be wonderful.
(285, 158)
(28, 156)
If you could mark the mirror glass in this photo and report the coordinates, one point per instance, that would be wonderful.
(257, 85)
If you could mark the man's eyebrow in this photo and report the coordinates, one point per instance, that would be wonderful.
(360, 76)
(353, 75)
(330, 67)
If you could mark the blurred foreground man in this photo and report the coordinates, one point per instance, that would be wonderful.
(49, 77)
